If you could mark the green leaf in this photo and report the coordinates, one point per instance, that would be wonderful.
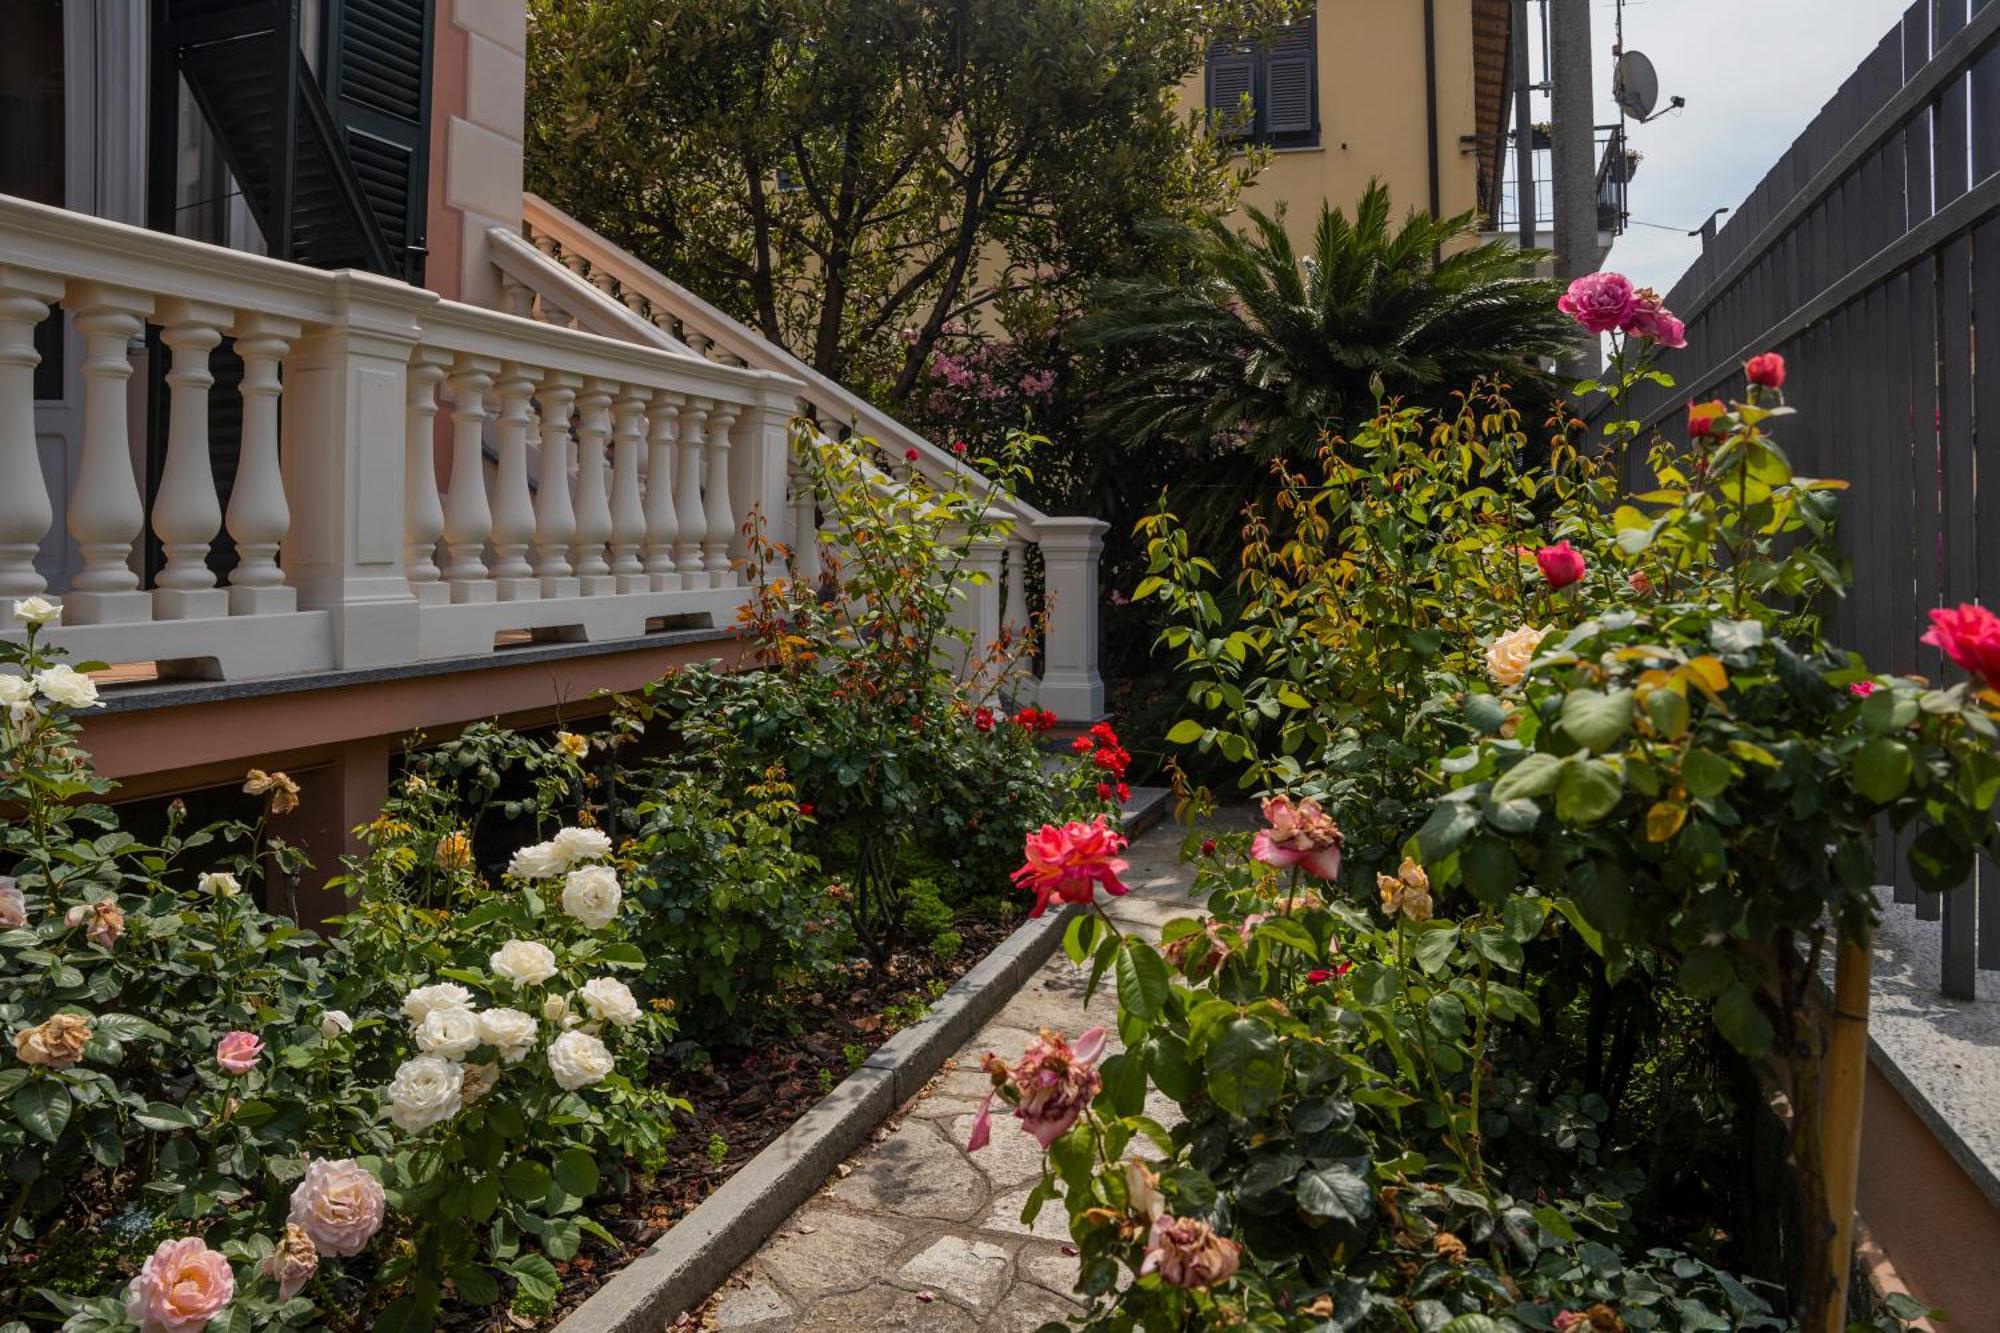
(1668, 711)
(575, 1172)
(1534, 776)
(1337, 1191)
(537, 1278)
(1705, 773)
(1447, 1014)
(476, 1286)
(1474, 1323)
(1142, 980)
(1435, 941)
(1595, 720)
(1882, 769)
(526, 1180)
(1451, 822)
(1246, 1069)
(1589, 790)
(1739, 1020)
(1706, 972)
(1523, 918)
(1489, 869)
(165, 1116)
(43, 1106)
(1735, 636)
(1185, 732)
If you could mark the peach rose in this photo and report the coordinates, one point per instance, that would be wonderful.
(182, 1287)
(13, 904)
(1507, 657)
(238, 1052)
(293, 1263)
(339, 1205)
(57, 1043)
(103, 921)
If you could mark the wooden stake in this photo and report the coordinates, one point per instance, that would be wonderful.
(1840, 1120)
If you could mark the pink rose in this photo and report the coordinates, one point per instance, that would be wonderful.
(339, 1205)
(1861, 689)
(237, 1052)
(1188, 1253)
(1652, 320)
(1049, 1088)
(1969, 636)
(183, 1286)
(1600, 302)
(13, 905)
(1300, 835)
(293, 1263)
(1069, 864)
(1561, 564)
(103, 921)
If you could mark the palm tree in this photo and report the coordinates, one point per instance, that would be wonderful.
(1257, 347)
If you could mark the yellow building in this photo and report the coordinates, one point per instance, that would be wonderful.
(1411, 92)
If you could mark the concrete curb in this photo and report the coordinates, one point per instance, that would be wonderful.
(705, 1247)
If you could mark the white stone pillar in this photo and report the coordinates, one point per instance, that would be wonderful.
(106, 511)
(628, 512)
(555, 514)
(719, 515)
(805, 520)
(187, 515)
(979, 585)
(468, 517)
(258, 515)
(662, 527)
(1014, 612)
(1071, 547)
(513, 503)
(25, 511)
(687, 494)
(423, 509)
(593, 504)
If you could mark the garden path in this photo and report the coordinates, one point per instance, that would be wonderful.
(915, 1235)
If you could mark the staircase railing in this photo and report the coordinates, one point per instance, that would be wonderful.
(583, 278)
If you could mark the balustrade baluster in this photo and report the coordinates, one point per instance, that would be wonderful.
(423, 511)
(805, 520)
(719, 516)
(662, 527)
(186, 513)
(25, 511)
(555, 515)
(593, 506)
(628, 513)
(468, 518)
(106, 511)
(687, 494)
(1014, 619)
(513, 502)
(258, 516)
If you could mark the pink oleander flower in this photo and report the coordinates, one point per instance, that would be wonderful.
(103, 921)
(238, 1052)
(1049, 1088)
(1069, 864)
(1650, 319)
(13, 904)
(1299, 835)
(1561, 564)
(1600, 302)
(293, 1263)
(1861, 689)
(1766, 369)
(339, 1205)
(182, 1287)
(1970, 636)
(1188, 1253)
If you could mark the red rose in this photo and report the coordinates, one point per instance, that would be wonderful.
(910, 455)
(982, 719)
(1124, 792)
(1081, 745)
(806, 809)
(1705, 420)
(1103, 791)
(1319, 976)
(958, 447)
(1561, 564)
(1208, 847)
(1766, 369)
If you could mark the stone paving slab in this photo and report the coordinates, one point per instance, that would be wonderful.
(913, 1233)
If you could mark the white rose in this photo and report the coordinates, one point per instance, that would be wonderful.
(610, 1001)
(334, 1023)
(444, 995)
(591, 895)
(67, 686)
(479, 1080)
(578, 1060)
(36, 611)
(17, 694)
(1507, 657)
(448, 1032)
(220, 884)
(426, 1091)
(523, 962)
(555, 1009)
(508, 1031)
(541, 861)
(575, 845)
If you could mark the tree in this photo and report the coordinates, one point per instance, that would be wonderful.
(1253, 346)
(858, 179)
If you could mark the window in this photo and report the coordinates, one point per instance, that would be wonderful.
(1281, 79)
(32, 144)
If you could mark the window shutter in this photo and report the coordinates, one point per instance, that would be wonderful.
(378, 86)
(1232, 76)
(1289, 79)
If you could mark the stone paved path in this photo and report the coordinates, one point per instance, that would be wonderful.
(915, 1235)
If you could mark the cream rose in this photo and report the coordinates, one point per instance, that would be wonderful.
(610, 1001)
(36, 611)
(219, 884)
(479, 1080)
(523, 962)
(451, 1033)
(425, 1092)
(67, 686)
(443, 995)
(508, 1031)
(576, 845)
(556, 1009)
(591, 895)
(578, 1060)
(1507, 657)
(17, 696)
(339, 1204)
(335, 1023)
(541, 861)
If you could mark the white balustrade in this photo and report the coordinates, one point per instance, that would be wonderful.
(555, 512)
(468, 518)
(719, 517)
(662, 526)
(628, 511)
(25, 511)
(806, 563)
(687, 495)
(106, 512)
(593, 503)
(258, 516)
(186, 513)
(423, 509)
(1014, 610)
(513, 501)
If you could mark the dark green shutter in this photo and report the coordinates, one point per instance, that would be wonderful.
(1231, 76)
(378, 87)
(1290, 82)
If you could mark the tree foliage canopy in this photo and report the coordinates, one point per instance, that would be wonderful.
(851, 177)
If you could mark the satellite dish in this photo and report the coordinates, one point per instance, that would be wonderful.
(1635, 85)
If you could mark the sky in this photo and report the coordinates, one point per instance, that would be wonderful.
(1754, 73)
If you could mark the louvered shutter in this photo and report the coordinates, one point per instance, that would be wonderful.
(1289, 79)
(378, 85)
(1232, 76)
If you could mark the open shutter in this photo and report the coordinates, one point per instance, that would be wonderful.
(1232, 76)
(378, 75)
(1290, 82)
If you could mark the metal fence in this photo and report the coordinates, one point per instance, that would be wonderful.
(1870, 256)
